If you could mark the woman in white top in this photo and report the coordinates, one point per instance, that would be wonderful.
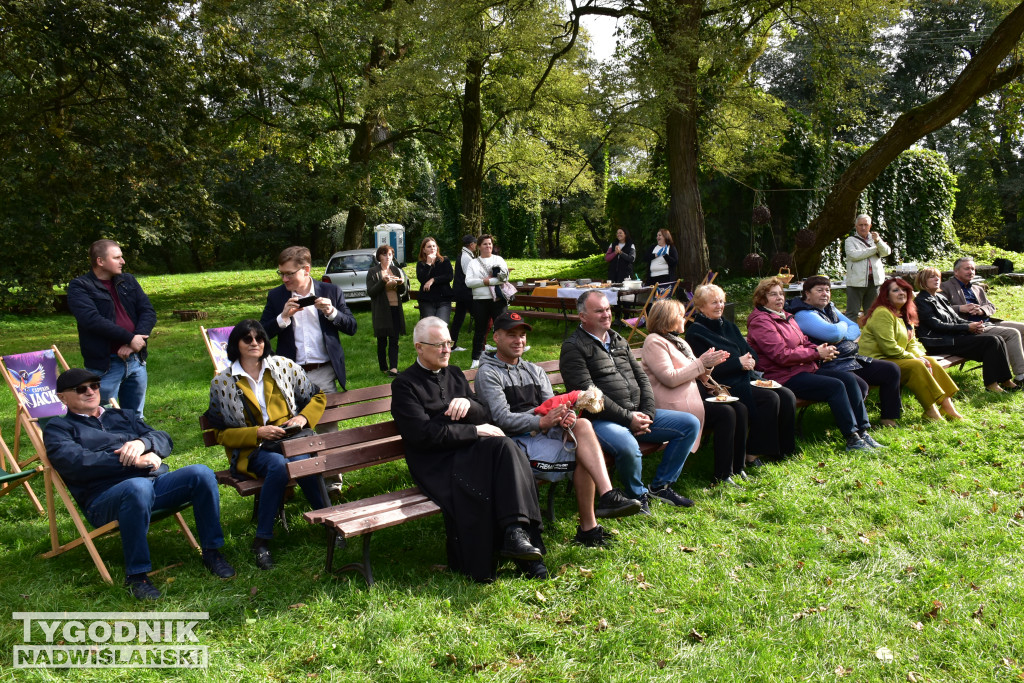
(864, 271)
(484, 274)
(661, 260)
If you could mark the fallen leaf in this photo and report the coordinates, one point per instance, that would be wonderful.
(977, 613)
(917, 626)
(843, 671)
(602, 624)
(818, 481)
(696, 637)
(821, 464)
(884, 655)
(934, 611)
(660, 610)
(298, 605)
(253, 590)
(913, 677)
(540, 596)
(687, 549)
(586, 572)
(662, 663)
(477, 667)
(668, 530)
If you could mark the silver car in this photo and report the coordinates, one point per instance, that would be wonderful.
(347, 269)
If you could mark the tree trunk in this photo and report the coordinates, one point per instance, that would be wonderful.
(685, 215)
(471, 160)
(980, 77)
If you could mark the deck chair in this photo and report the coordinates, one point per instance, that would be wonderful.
(216, 340)
(12, 477)
(35, 407)
(690, 310)
(659, 293)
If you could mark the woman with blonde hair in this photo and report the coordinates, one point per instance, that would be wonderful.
(888, 332)
(771, 413)
(941, 330)
(674, 371)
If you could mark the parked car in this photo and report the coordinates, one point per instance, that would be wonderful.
(347, 269)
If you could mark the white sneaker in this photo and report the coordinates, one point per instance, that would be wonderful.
(457, 349)
(475, 365)
(488, 348)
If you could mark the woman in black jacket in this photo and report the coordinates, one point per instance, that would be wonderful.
(771, 413)
(941, 329)
(435, 274)
(661, 260)
(387, 285)
(620, 257)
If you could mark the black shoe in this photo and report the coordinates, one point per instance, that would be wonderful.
(532, 569)
(614, 503)
(645, 504)
(262, 554)
(595, 538)
(142, 588)
(870, 440)
(667, 495)
(756, 462)
(743, 475)
(518, 546)
(727, 480)
(217, 565)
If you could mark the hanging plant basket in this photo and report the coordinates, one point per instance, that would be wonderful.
(753, 263)
(762, 215)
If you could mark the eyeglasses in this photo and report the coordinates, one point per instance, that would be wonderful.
(91, 386)
(441, 345)
(249, 339)
(288, 273)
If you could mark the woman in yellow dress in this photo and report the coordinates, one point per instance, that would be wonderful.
(888, 333)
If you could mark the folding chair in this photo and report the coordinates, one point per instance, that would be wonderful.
(690, 310)
(661, 292)
(216, 340)
(10, 480)
(36, 393)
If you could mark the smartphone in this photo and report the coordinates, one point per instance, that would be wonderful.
(306, 300)
(291, 429)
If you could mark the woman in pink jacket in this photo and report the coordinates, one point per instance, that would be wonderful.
(673, 370)
(787, 356)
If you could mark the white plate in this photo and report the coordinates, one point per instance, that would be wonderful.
(775, 385)
(715, 399)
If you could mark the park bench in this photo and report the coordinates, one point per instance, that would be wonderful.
(359, 448)
(547, 308)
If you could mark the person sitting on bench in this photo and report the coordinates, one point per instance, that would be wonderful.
(112, 462)
(511, 387)
(479, 478)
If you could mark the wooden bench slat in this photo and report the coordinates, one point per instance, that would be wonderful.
(367, 506)
(384, 520)
(348, 458)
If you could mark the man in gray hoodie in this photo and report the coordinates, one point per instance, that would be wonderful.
(511, 388)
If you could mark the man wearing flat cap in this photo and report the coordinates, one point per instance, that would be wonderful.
(112, 462)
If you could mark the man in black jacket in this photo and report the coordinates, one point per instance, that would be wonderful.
(114, 319)
(480, 479)
(597, 355)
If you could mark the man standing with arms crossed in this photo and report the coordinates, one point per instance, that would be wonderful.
(511, 387)
(114, 319)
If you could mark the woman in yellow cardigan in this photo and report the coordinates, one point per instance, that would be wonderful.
(256, 400)
(887, 332)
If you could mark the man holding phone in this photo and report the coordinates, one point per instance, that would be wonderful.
(306, 316)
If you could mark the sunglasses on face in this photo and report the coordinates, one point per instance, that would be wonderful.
(251, 338)
(83, 388)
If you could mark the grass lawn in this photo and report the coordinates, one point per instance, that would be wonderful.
(900, 565)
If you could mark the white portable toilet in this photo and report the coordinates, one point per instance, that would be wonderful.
(394, 235)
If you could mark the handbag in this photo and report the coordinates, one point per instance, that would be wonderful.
(609, 255)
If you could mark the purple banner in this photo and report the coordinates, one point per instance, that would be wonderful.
(34, 376)
(218, 337)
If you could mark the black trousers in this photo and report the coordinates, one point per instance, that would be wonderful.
(461, 309)
(728, 423)
(484, 311)
(773, 424)
(991, 351)
(387, 345)
(886, 376)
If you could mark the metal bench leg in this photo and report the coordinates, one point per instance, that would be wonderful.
(332, 539)
(364, 566)
(799, 427)
(255, 507)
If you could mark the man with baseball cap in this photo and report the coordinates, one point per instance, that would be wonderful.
(512, 388)
(112, 462)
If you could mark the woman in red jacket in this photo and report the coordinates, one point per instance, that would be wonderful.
(787, 356)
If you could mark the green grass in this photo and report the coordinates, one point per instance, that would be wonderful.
(807, 571)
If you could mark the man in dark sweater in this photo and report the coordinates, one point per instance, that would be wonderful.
(114, 319)
(597, 355)
(480, 479)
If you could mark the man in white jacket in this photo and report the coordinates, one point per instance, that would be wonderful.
(864, 271)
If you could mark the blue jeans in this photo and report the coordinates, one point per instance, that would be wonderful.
(132, 501)
(125, 381)
(840, 389)
(441, 309)
(273, 469)
(678, 428)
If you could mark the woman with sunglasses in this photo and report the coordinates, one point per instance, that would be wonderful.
(257, 400)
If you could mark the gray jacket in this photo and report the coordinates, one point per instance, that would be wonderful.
(494, 377)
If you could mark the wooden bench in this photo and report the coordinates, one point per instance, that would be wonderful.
(547, 308)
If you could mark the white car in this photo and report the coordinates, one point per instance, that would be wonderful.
(347, 269)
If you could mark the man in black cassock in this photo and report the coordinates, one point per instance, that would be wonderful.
(481, 480)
